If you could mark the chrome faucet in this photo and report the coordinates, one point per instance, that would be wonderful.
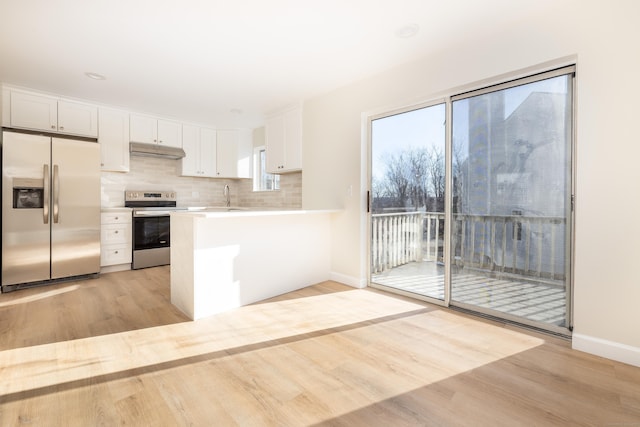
(227, 194)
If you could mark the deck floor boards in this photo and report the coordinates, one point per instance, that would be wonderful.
(540, 302)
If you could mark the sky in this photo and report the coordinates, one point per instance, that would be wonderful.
(417, 128)
(425, 126)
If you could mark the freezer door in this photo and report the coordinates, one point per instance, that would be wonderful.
(75, 208)
(25, 213)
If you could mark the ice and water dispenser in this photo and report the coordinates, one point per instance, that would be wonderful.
(28, 193)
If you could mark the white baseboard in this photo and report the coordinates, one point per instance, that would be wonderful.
(348, 280)
(609, 349)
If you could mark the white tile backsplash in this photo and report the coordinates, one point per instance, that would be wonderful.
(150, 173)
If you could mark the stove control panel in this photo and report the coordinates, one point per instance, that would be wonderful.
(151, 196)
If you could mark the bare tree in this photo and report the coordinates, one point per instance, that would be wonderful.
(417, 160)
(436, 168)
(413, 178)
(397, 177)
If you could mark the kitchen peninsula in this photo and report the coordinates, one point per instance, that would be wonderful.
(222, 259)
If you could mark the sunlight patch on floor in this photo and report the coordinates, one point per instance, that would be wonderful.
(359, 316)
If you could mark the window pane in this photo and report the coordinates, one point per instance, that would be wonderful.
(266, 181)
(408, 180)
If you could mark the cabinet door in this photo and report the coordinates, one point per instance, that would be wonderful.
(170, 133)
(143, 129)
(208, 141)
(75, 118)
(293, 140)
(274, 143)
(245, 154)
(190, 163)
(227, 154)
(114, 140)
(30, 111)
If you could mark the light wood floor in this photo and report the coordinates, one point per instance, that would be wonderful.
(113, 351)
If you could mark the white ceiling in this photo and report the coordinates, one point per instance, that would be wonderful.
(198, 60)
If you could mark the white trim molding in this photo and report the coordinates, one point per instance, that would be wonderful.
(605, 348)
(348, 280)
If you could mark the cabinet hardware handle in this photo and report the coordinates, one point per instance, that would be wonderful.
(116, 218)
(61, 127)
(53, 126)
(116, 231)
(116, 252)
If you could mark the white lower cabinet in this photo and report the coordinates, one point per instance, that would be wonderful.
(116, 238)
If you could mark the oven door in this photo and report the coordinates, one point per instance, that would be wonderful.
(151, 232)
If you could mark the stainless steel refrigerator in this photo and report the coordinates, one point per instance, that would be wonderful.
(50, 209)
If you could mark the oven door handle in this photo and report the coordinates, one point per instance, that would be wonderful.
(147, 214)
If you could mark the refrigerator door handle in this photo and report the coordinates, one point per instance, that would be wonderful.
(45, 204)
(56, 193)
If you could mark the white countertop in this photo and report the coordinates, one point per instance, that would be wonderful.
(116, 209)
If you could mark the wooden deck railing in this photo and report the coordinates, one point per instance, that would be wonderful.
(400, 238)
(518, 244)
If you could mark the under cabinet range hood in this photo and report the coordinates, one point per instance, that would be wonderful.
(156, 150)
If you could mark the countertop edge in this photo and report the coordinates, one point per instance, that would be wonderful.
(252, 213)
(116, 209)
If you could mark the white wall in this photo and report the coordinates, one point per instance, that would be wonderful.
(602, 37)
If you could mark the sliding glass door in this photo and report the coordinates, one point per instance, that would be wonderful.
(512, 201)
(506, 250)
(407, 201)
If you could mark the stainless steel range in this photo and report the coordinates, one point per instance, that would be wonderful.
(151, 226)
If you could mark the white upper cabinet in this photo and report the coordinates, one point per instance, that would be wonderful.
(227, 154)
(170, 133)
(114, 139)
(33, 111)
(215, 154)
(208, 144)
(41, 112)
(245, 153)
(283, 140)
(77, 118)
(199, 145)
(152, 130)
(209, 152)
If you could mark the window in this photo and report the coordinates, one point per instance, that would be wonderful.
(262, 180)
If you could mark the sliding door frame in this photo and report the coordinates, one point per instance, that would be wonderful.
(516, 79)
